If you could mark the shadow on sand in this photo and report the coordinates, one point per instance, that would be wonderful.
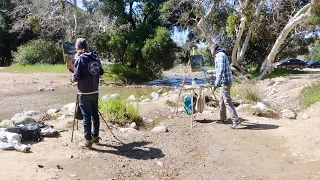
(134, 150)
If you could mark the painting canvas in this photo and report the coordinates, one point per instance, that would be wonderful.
(196, 62)
(69, 51)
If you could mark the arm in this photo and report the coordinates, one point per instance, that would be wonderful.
(77, 75)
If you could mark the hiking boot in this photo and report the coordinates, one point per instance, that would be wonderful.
(86, 144)
(95, 140)
(235, 124)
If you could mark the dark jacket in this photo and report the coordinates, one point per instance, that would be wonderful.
(87, 71)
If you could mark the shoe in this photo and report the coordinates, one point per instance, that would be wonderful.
(95, 140)
(85, 144)
(235, 124)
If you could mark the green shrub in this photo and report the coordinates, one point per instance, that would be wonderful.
(120, 111)
(38, 51)
(310, 95)
(246, 93)
(123, 73)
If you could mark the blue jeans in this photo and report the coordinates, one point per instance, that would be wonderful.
(89, 108)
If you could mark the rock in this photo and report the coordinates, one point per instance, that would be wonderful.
(52, 111)
(159, 129)
(133, 125)
(146, 100)
(6, 124)
(147, 121)
(261, 106)
(30, 113)
(305, 116)
(113, 96)
(50, 89)
(288, 114)
(164, 94)
(262, 110)
(128, 130)
(155, 96)
(41, 89)
(62, 117)
(69, 108)
(22, 119)
(132, 98)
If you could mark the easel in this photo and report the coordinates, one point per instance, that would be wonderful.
(182, 85)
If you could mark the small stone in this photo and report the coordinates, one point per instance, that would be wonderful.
(71, 156)
(50, 89)
(159, 163)
(6, 124)
(288, 114)
(165, 94)
(128, 130)
(159, 129)
(132, 98)
(146, 100)
(59, 167)
(41, 89)
(305, 116)
(40, 166)
(155, 96)
(147, 121)
(133, 125)
(52, 111)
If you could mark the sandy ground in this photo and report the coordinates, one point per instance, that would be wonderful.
(260, 148)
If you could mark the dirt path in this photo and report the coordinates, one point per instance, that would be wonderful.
(261, 148)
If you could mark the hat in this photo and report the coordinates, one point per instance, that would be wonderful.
(81, 43)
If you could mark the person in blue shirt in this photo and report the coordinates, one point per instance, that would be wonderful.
(224, 81)
(87, 71)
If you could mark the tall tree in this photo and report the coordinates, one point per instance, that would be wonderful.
(303, 15)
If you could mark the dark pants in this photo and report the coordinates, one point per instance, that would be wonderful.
(89, 109)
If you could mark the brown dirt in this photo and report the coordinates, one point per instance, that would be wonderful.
(261, 148)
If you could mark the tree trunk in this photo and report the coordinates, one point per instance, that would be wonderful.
(301, 16)
(246, 42)
(237, 43)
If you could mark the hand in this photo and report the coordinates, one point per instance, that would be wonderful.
(217, 84)
(204, 69)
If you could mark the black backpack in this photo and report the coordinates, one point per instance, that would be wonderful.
(29, 132)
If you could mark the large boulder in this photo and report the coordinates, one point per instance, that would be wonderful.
(20, 118)
(286, 113)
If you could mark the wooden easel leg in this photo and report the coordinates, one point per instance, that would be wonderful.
(192, 108)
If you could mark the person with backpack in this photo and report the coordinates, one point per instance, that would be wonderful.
(87, 71)
(224, 81)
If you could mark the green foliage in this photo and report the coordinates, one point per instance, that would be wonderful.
(38, 51)
(315, 14)
(157, 52)
(123, 73)
(120, 111)
(310, 95)
(315, 54)
(232, 22)
(35, 23)
(19, 68)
